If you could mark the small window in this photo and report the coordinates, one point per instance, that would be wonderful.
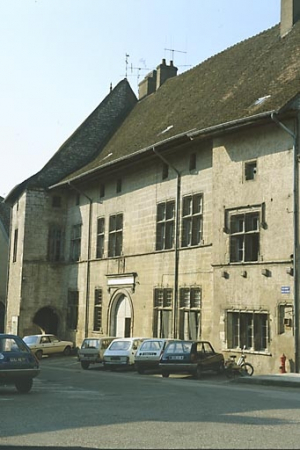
(15, 247)
(56, 201)
(192, 162)
(165, 171)
(100, 237)
(250, 170)
(102, 190)
(119, 185)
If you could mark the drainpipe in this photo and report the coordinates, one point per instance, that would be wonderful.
(296, 237)
(175, 312)
(86, 328)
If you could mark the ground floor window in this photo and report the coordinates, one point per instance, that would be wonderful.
(98, 310)
(162, 312)
(249, 329)
(189, 313)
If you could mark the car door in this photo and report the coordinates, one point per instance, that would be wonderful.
(207, 357)
(57, 346)
(45, 345)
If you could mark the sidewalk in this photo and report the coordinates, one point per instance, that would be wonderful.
(285, 380)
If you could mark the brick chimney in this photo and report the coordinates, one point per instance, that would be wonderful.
(164, 72)
(156, 78)
(290, 14)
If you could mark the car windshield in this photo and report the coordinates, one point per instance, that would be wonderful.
(12, 345)
(90, 343)
(120, 345)
(151, 345)
(179, 347)
(30, 339)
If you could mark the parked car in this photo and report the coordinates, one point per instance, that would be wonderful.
(121, 352)
(92, 350)
(149, 353)
(18, 366)
(48, 344)
(194, 357)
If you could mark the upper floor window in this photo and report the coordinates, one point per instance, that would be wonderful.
(192, 218)
(165, 171)
(56, 201)
(165, 225)
(115, 235)
(100, 237)
(75, 242)
(119, 185)
(15, 248)
(192, 162)
(102, 190)
(55, 243)
(250, 170)
(244, 236)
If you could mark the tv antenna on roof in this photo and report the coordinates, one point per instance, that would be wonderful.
(172, 52)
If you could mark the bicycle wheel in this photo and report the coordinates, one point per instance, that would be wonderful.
(247, 369)
(229, 372)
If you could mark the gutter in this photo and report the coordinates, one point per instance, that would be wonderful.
(296, 237)
(190, 135)
(176, 259)
(87, 301)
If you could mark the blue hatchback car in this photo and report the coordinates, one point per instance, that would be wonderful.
(18, 365)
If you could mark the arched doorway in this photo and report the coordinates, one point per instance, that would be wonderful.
(47, 320)
(121, 316)
(2, 316)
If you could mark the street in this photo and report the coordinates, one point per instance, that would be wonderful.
(69, 407)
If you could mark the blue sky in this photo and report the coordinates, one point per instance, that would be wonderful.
(59, 57)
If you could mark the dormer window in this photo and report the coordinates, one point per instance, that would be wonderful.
(250, 170)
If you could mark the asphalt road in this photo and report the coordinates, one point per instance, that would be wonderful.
(73, 408)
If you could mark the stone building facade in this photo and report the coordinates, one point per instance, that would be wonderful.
(175, 214)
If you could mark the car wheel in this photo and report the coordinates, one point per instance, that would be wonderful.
(85, 365)
(67, 351)
(24, 386)
(220, 369)
(165, 374)
(198, 373)
(39, 354)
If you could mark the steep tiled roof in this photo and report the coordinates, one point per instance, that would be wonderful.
(86, 141)
(4, 215)
(224, 88)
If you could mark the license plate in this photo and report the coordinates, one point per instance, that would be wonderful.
(17, 359)
(176, 357)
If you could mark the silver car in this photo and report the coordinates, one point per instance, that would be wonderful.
(92, 350)
(149, 353)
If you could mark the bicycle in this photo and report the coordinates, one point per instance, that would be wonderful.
(240, 367)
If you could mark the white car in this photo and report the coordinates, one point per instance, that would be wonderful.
(149, 353)
(120, 352)
(48, 344)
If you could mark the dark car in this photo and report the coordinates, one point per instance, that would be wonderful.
(193, 357)
(18, 365)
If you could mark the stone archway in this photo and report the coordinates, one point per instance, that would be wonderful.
(121, 316)
(46, 319)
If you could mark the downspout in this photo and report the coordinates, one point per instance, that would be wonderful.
(176, 262)
(87, 306)
(296, 237)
